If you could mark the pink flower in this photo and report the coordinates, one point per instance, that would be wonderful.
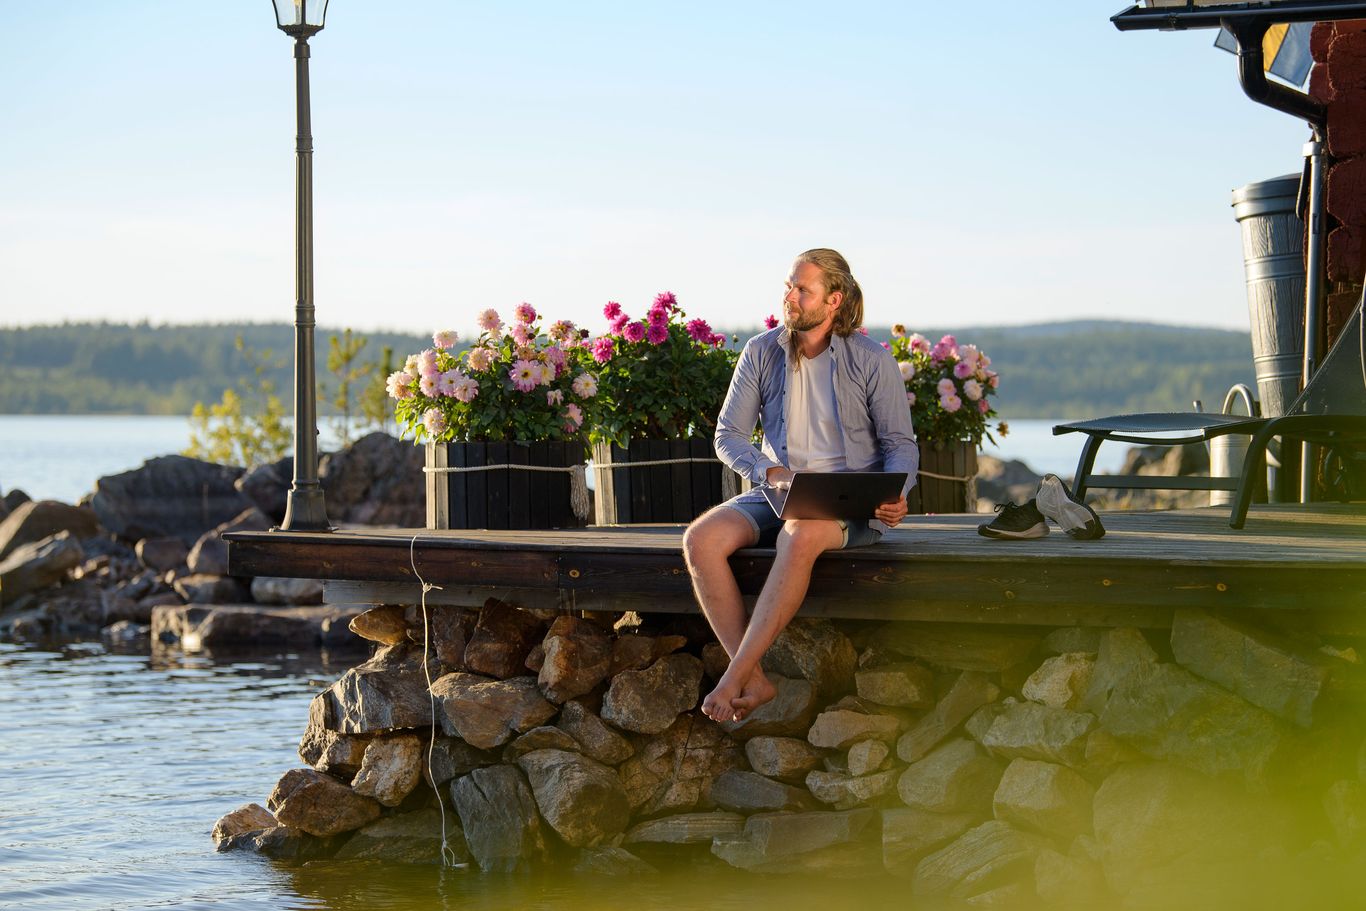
(770, 322)
(950, 403)
(412, 366)
(556, 357)
(946, 387)
(428, 385)
(446, 382)
(466, 388)
(525, 313)
(910, 398)
(993, 379)
(522, 335)
(634, 332)
(963, 370)
(561, 330)
(444, 339)
(982, 406)
(617, 323)
(434, 421)
(666, 300)
(603, 350)
(699, 331)
(718, 340)
(525, 374)
(920, 343)
(585, 386)
(554, 397)
(907, 370)
(658, 333)
(489, 321)
(573, 417)
(969, 355)
(658, 314)
(399, 385)
(972, 389)
(887, 346)
(479, 359)
(526, 352)
(547, 373)
(945, 348)
(427, 364)
(862, 330)
(612, 310)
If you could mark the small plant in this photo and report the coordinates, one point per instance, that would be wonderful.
(248, 425)
(343, 362)
(948, 388)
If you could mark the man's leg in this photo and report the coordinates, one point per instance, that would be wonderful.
(799, 544)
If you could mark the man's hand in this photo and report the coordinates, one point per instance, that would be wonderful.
(892, 513)
(781, 478)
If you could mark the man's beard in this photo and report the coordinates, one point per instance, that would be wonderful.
(804, 321)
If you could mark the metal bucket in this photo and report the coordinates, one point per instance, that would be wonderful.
(1226, 453)
(1273, 262)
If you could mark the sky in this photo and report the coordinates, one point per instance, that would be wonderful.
(992, 163)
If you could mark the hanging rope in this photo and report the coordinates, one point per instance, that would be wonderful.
(945, 477)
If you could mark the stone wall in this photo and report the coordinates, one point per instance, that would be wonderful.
(984, 764)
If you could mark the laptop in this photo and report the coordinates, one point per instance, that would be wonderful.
(835, 494)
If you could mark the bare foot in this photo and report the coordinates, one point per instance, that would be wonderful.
(720, 702)
(756, 692)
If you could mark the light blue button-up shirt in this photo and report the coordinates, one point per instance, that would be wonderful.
(870, 399)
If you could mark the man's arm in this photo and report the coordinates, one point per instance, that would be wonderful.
(738, 418)
(892, 420)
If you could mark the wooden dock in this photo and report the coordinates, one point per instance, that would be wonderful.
(1306, 560)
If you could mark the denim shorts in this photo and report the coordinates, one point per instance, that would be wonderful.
(754, 506)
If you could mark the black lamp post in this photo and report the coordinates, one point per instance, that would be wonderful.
(305, 510)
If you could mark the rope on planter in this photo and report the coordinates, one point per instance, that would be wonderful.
(730, 481)
(945, 477)
(578, 480)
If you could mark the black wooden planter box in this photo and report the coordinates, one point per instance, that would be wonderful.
(502, 497)
(935, 495)
(656, 493)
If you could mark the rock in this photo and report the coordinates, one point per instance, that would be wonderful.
(1068, 639)
(909, 834)
(390, 769)
(969, 692)
(609, 861)
(582, 800)
(450, 757)
(960, 646)
(289, 844)
(1011, 895)
(715, 661)
(248, 819)
(686, 829)
(841, 728)
(499, 818)
(578, 656)
(448, 632)
(38, 565)
(673, 772)
(866, 757)
(387, 692)
(377, 480)
(205, 589)
(1104, 752)
(408, 838)
(784, 758)
(487, 713)
(319, 804)
(1267, 670)
(980, 721)
(327, 751)
(957, 777)
(789, 713)
(1167, 712)
(649, 701)
(38, 520)
(813, 650)
(383, 623)
(209, 555)
(206, 626)
(820, 841)
(1344, 803)
(541, 738)
(904, 684)
(1123, 654)
(1068, 881)
(1044, 797)
(125, 632)
(502, 637)
(750, 792)
(1040, 732)
(981, 859)
(334, 633)
(170, 496)
(595, 738)
(270, 590)
(1003, 481)
(632, 653)
(267, 487)
(844, 792)
(1061, 681)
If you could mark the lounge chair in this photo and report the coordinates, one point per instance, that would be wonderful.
(1331, 411)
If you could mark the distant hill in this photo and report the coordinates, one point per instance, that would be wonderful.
(1071, 369)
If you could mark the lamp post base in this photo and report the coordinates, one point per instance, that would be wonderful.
(304, 509)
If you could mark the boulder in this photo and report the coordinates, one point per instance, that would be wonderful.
(207, 626)
(499, 818)
(866, 757)
(205, 589)
(957, 777)
(248, 819)
(501, 640)
(169, 496)
(390, 769)
(290, 844)
(581, 799)
(649, 701)
(673, 772)
(487, 713)
(1061, 681)
(960, 646)
(787, 714)
(1069, 881)
(1068, 639)
(377, 480)
(686, 829)
(383, 623)
(541, 738)
(969, 692)
(209, 555)
(635, 652)
(319, 804)
(408, 838)
(339, 755)
(844, 792)
(448, 628)
(1040, 732)
(609, 861)
(451, 757)
(38, 565)
(271, 590)
(267, 487)
(839, 729)
(578, 656)
(1344, 803)
(750, 792)
(814, 650)
(388, 691)
(904, 684)
(1122, 654)
(784, 758)
(593, 736)
(830, 842)
(910, 834)
(79, 608)
(1044, 797)
(982, 859)
(37, 520)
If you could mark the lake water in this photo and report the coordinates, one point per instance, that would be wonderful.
(116, 767)
(60, 457)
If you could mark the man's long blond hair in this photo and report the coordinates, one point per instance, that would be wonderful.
(835, 275)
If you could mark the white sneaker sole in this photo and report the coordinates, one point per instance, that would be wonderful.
(1076, 520)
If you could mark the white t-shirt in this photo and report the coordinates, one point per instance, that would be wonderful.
(814, 440)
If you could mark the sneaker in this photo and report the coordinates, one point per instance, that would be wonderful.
(1077, 519)
(1015, 521)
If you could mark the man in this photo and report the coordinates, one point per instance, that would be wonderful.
(828, 399)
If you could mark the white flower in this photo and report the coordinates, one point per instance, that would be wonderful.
(907, 370)
(972, 389)
(585, 386)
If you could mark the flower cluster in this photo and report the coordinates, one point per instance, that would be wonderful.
(947, 387)
(513, 385)
(663, 375)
